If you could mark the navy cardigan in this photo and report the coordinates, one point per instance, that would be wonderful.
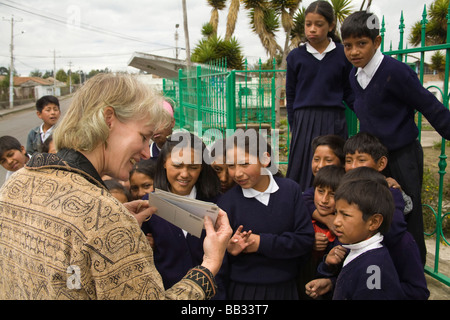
(285, 230)
(386, 107)
(317, 83)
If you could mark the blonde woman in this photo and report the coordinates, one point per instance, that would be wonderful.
(64, 236)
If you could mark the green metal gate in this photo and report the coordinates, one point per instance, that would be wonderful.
(438, 212)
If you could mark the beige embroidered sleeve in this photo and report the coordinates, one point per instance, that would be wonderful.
(61, 237)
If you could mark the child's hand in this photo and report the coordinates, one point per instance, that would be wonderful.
(318, 287)
(321, 242)
(326, 220)
(392, 183)
(239, 241)
(336, 255)
(253, 243)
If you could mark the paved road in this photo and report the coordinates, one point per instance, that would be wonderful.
(19, 123)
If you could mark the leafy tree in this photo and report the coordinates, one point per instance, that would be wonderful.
(215, 48)
(61, 75)
(435, 31)
(48, 74)
(36, 73)
(436, 28)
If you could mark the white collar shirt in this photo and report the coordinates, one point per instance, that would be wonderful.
(263, 196)
(45, 135)
(365, 75)
(316, 54)
(359, 248)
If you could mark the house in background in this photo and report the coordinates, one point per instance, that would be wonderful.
(28, 89)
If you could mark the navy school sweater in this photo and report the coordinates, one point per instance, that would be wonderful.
(370, 276)
(317, 83)
(386, 107)
(401, 246)
(285, 230)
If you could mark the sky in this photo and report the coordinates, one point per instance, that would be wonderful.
(98, 34)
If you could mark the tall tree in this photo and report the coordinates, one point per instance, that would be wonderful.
(232, 16)
(216, 6)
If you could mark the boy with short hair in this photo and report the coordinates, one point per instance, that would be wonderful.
(12, 155)
(366, 150)
(48, 110)
(387, 93)
(364, 210)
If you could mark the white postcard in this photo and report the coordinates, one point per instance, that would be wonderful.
(185, 213)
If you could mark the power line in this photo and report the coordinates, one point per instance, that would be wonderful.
(62, 20)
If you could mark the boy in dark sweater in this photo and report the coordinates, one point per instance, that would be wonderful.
(364, 209)
(387, 93)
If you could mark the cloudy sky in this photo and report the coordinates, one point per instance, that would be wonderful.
(95, 34)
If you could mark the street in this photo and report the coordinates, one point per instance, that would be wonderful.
(19, 124)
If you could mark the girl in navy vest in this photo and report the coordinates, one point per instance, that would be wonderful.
(184, 173)
(270, 208)
(316, 85)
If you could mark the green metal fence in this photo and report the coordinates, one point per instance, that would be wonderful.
(212, 97)
(438, 212)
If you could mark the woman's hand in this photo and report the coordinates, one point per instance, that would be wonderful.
(216, 241)
(141, 210)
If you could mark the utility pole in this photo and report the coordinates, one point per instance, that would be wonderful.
(54, 72)
(70, 76)
(186, 35)
(176, 40)
(11, 66)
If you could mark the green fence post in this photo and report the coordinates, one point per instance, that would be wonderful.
(198, 83)
(231, 101)
(422, 63)
(182, 119)
(400, 43)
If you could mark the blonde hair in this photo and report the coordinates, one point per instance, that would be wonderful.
(84, 127)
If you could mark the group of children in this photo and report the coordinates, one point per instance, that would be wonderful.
(289, 244)
(339, 224)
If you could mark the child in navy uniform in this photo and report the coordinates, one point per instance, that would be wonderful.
(364, 209)
(387, 94)
(272, 209)
(325, 184)
(316, 86)
(175, 250)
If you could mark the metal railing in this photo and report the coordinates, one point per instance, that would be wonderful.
(402, 54)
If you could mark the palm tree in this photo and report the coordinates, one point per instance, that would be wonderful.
(214, 48)
(342, 9)
(436, 28)
(216, 6)
(262, 22)
(233, 11)
(369, 3)
(286, 9)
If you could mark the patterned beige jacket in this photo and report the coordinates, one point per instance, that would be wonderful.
(62, 236)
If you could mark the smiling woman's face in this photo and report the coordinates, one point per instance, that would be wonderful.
(127, 143)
